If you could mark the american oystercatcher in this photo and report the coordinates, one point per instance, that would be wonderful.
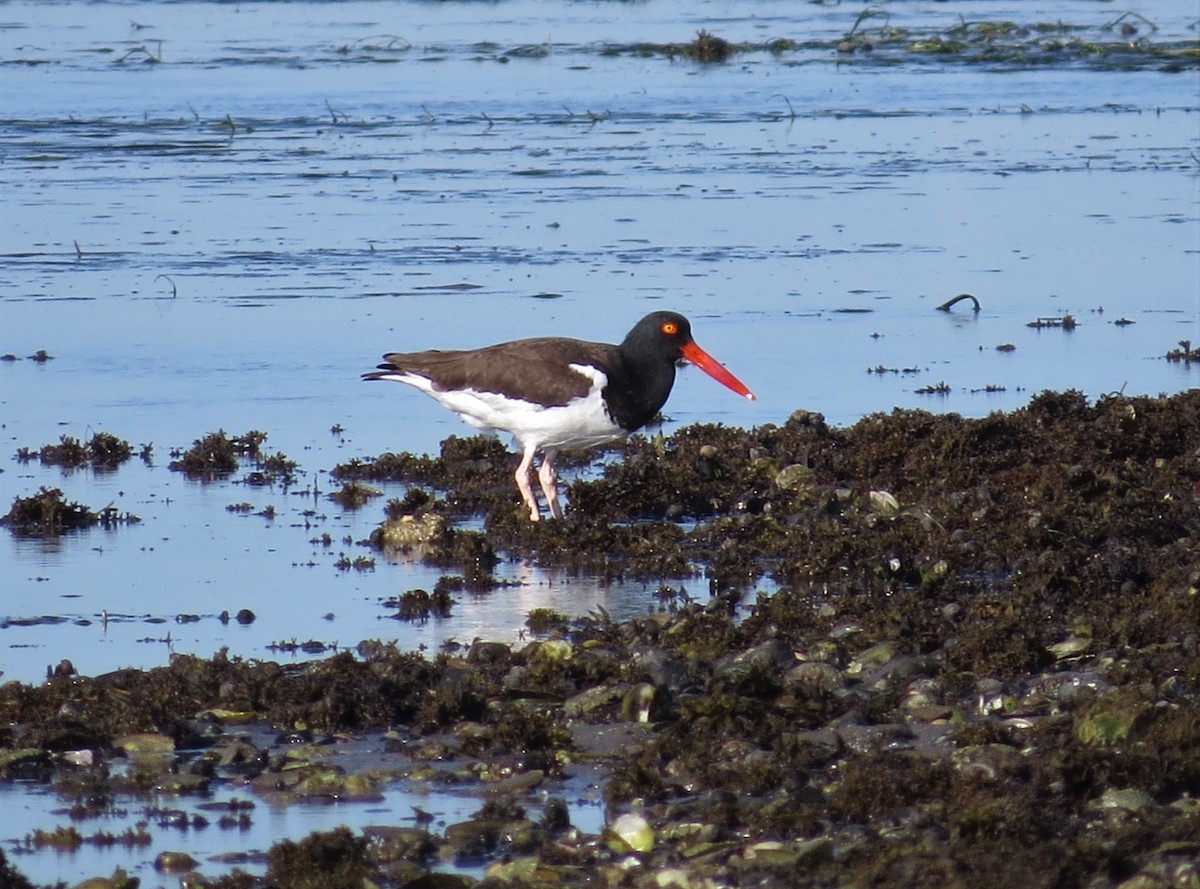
(553, 393)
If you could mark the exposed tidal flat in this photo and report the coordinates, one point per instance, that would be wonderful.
(977, 659)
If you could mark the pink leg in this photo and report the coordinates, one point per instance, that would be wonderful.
(548, 476)
(523, 486)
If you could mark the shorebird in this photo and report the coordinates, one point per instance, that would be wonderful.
(554, 393)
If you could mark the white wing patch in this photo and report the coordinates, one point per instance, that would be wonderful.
(581, 423)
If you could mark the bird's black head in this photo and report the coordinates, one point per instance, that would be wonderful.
(660, 336)
(663, 338)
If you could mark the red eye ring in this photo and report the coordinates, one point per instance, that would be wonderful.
(670, 328)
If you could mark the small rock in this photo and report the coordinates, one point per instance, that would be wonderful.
(630, 833)
(674, 878)
(551, 651)
(524, 871)
(644, 703)
(590, 700)
(119, 880)
(85, 758)
(770, 854)
(1070, 647)
(795, 477)
(1130, 799)
(772, 656)
(523, 782)
(884, 503)
(814, 679)
(409, 531)
(875, 656)
(471, 841)
(173, 862)
(148, 750)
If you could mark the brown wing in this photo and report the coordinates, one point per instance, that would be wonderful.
(537, 370)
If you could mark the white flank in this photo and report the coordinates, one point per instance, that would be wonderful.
(581, 423)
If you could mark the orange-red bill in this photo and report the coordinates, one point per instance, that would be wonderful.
(716, 370)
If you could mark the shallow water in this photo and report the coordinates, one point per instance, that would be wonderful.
(218, 215)
(172, 823)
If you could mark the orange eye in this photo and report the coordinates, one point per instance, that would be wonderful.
(670, 328)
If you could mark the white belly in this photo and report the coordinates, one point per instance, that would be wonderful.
(581, 423)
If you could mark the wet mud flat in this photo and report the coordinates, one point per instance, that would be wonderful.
(978, 666)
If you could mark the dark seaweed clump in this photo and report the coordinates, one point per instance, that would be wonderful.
(707, 48)
(217, 455)
(48, 513)
(1186, 353)
(353, 495)
(103, 451)
(877, 37)
(10, 878)
(420, 605)
(468, 470)
(977, 664)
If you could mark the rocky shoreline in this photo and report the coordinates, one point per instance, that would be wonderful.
(977, 666)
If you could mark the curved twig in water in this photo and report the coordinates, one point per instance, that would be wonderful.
(1121, 20)
(869, 12)
(791, 110)
(948, 304)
